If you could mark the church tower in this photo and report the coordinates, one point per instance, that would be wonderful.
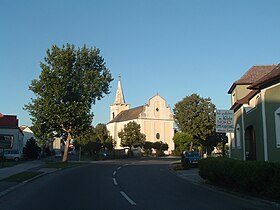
(119, 105)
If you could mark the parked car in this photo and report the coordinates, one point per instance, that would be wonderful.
(189, 159)
(11, 155)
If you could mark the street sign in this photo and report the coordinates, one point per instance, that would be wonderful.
(224, 121)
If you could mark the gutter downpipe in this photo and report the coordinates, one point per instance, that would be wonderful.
(243, 133)
(264, 125)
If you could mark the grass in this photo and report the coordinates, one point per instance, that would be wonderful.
(21, 177)
(178, 168)
(6, 164)
(60, 165)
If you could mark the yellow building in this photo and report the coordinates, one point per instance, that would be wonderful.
(155, 118)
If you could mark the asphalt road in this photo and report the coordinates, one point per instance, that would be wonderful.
(121, 184)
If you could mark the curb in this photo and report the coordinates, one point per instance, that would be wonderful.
(8, 190)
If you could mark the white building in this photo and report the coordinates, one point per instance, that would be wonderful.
(155, 118)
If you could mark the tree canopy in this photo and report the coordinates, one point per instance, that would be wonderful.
(131, 135)
(182, 141)
(196, 116)
(70, 82)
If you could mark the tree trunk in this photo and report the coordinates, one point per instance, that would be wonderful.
(66, 147)
(191, 147)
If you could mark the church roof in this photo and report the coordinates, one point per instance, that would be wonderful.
(119, 94)
(129, 114)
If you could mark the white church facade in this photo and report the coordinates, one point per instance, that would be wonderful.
(155, 118)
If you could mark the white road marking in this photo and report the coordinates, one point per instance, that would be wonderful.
(128, 198)
(114, 173)
(125, 165)
(119, 168)
(115, 181)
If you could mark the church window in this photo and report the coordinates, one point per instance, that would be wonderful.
(113, 115)
(157, 109)
(158, 136)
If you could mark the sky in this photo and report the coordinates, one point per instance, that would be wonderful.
(173, 48)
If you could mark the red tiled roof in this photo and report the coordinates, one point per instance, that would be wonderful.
(8, 120)
(129, 114)
(274, 75)
(254, 74)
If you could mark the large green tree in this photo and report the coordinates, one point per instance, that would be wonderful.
(131, 135)
(182, 141)
(70, 82)
(196, 116)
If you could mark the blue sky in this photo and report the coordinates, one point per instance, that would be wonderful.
(171, 47)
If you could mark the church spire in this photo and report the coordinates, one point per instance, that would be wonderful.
(119, 94)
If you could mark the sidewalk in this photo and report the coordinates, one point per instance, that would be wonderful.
(9, 171)
(191, 175)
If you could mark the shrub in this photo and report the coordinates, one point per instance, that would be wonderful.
(160, 147)
(255, 177)
(31, 149)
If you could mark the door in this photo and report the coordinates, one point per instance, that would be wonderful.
(250, 143)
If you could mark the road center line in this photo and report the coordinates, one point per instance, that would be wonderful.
(128, 198)
(115, 181)
(114, 173)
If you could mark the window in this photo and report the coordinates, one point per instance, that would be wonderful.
(233, 98)
(157, 136)
(277, 127)
(233, 142)
(238, 136)
(6, 141)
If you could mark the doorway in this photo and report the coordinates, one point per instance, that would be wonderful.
(250, 143)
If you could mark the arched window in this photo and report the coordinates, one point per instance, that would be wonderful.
(277, 127)
(113, 115)
(238, 136)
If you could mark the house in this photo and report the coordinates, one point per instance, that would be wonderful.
(256, 104)
(27, 132)
(155, 118)
(11, 137)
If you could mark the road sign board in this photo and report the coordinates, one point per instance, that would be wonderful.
(224, 121)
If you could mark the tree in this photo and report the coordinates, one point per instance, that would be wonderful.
(131, 135)
(70, 82)
(103, 136)
(160, 147)
(195, 115)
(148, 146)
(182, 141)
(31, 149)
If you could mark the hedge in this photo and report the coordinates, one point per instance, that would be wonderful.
(256, 177)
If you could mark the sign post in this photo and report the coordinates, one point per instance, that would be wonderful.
(224, 123)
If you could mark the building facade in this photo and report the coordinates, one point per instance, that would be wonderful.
(11, 137)
(155, 118)
(256, 104)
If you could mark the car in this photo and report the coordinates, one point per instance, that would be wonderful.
(189, 159)
(12, 155)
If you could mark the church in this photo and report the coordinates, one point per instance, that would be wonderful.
(155, 118)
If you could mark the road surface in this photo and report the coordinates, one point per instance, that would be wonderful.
(121, 184)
